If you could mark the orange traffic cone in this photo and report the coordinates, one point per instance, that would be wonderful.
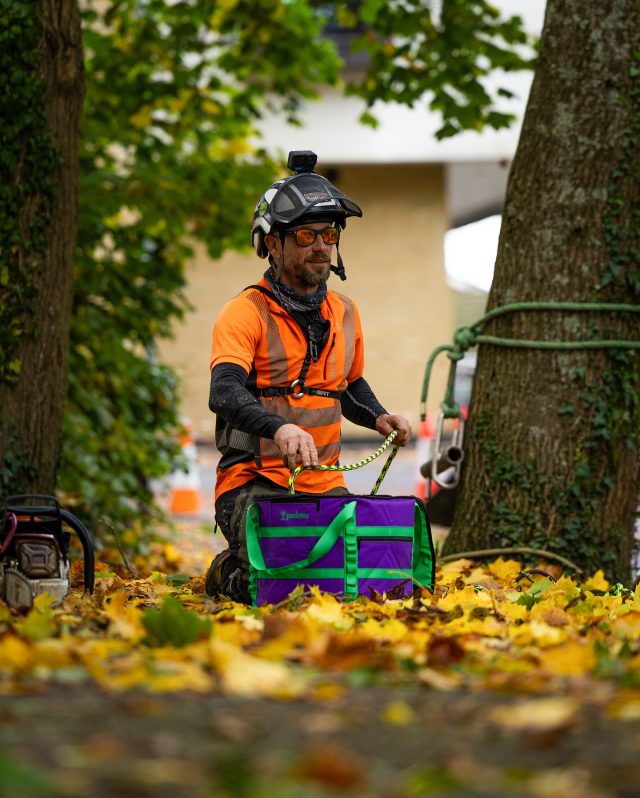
(185, 485)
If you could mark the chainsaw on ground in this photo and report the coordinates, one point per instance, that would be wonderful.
(35, 533)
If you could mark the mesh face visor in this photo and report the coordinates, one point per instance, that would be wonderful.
(310, 192)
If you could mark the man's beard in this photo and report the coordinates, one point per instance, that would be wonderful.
(310, 275)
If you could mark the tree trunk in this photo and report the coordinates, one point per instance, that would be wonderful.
(33, 402)
(552, 436)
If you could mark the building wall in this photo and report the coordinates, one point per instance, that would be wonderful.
(395, 271)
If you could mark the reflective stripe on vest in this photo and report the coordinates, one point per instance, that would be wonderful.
(277, 354)
(329, 451)
(305, 416)
(349, 327)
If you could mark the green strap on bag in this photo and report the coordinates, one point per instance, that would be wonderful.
(423, 554)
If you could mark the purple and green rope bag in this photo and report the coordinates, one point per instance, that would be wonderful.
(347, 545)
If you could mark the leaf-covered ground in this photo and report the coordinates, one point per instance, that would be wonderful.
(505, 681)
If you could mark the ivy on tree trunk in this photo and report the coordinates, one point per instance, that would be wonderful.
(42, 56)
(552, 437)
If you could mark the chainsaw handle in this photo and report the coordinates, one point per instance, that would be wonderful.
(87, 547)
(13, 525)
(18, 503)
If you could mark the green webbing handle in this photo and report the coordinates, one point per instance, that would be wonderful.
(353, 466)
(345, 521)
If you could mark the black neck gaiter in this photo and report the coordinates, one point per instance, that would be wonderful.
(305, 310)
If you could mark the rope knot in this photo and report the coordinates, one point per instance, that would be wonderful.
(464, 338)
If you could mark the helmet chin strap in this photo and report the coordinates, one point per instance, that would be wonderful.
(276, 268)
(339, 269)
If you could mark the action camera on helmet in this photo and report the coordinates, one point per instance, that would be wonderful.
(302, 161)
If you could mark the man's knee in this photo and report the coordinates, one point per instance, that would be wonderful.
(229, 510)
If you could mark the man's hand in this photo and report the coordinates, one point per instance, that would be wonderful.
(386, 423)
(296, 446)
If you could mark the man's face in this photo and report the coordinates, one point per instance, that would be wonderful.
(304, 268)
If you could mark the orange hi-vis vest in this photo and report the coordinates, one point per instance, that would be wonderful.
(255, 332)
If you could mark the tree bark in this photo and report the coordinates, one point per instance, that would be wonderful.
(33, 406)
(552, 436)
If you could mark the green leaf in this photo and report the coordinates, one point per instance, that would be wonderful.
(533, 594)
(173, 625)
(21, 779)
(178, 580)
(369, 119)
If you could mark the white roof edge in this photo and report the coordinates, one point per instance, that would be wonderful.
(331, 127)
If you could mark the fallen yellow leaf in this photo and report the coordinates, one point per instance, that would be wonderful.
(124, 615)
(539, 714)
(16, 655)
(569, 659)
(597, 582)
(245, 675)
(326, 609)
(398, 713)
(626, 706)
(390, 631)
(505, 570)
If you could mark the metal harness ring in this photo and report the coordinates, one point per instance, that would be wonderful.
(293, 385)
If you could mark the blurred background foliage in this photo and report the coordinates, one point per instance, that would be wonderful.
(439, 54)
(168, 157)
(172, 92)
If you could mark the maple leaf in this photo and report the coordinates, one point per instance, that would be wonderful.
(39, 622)
(390, 630)
(246, 675)
(327, 609)
(597, 582)
(16, 655)
(297, 597)
(123, 615)
(173, 625)
(505, 571)
(570, 659)
(533, 594)
(626, 706)
(376, 597)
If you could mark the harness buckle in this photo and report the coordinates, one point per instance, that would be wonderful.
(293, 391)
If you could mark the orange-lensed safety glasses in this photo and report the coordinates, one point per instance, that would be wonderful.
(306, 236)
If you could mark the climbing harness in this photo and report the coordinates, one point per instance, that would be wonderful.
(465, 338)
(297, 389)
(353, 466)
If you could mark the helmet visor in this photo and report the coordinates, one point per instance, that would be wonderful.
(310, 193)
